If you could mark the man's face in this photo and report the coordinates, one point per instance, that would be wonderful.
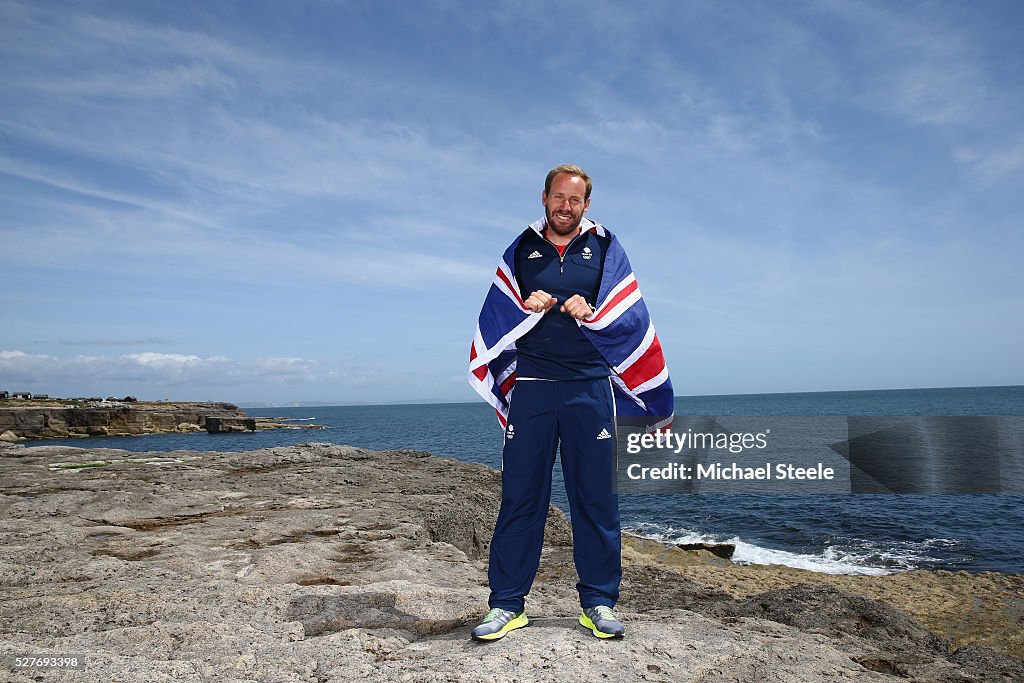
(564, 205)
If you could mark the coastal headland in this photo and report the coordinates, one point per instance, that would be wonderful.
(330, 563)
(62, 418)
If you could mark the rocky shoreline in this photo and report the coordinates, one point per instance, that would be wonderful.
(21, 420)
(321, 562)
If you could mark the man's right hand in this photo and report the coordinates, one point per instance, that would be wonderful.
(540, 301)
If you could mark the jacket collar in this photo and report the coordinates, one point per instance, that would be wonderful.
(587, 225)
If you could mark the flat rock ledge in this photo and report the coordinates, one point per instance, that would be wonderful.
(328, 563)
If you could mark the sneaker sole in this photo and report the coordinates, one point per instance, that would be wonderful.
(518, 622)
(587, 623)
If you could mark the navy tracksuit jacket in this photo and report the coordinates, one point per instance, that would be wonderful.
(562, 400)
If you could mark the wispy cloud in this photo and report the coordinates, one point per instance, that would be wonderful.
(313, 176)
(999, 164)
(149, 370)
(210, 174)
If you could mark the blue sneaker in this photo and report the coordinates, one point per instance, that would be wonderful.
(497, 623)
(602, 622)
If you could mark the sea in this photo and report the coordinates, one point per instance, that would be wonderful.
(862, 533)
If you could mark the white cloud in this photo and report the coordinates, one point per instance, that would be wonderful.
(150, 369)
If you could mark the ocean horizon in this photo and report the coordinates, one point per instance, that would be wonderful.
(679, 398)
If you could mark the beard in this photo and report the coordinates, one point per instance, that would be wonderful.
(559, 225)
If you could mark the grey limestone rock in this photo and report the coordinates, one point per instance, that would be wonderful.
(10, 437)
(227, 425)
(62, 419)
(332, 563)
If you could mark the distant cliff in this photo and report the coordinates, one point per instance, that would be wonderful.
(61, 419)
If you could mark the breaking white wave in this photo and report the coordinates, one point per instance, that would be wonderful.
(831, 560)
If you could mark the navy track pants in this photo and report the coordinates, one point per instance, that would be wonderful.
(543, 415)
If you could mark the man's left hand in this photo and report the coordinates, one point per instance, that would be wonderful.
(577, 307)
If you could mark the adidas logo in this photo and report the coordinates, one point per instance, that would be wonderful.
(535, 254)
(604, 434)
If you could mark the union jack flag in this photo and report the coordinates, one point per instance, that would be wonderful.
(620, 329)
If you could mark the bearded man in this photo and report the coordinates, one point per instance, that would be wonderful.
(565, 327)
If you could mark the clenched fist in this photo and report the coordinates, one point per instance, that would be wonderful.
(540, 301)
(577, 307)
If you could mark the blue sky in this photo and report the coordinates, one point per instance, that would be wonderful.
(305, 201)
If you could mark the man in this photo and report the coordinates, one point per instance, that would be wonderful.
(565, 326)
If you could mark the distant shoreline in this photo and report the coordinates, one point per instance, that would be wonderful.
(43, 419)
(22, 419)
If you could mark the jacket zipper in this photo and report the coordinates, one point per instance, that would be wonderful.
(561, 255)
(561, 258)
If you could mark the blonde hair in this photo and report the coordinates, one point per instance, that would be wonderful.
(571, 169)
